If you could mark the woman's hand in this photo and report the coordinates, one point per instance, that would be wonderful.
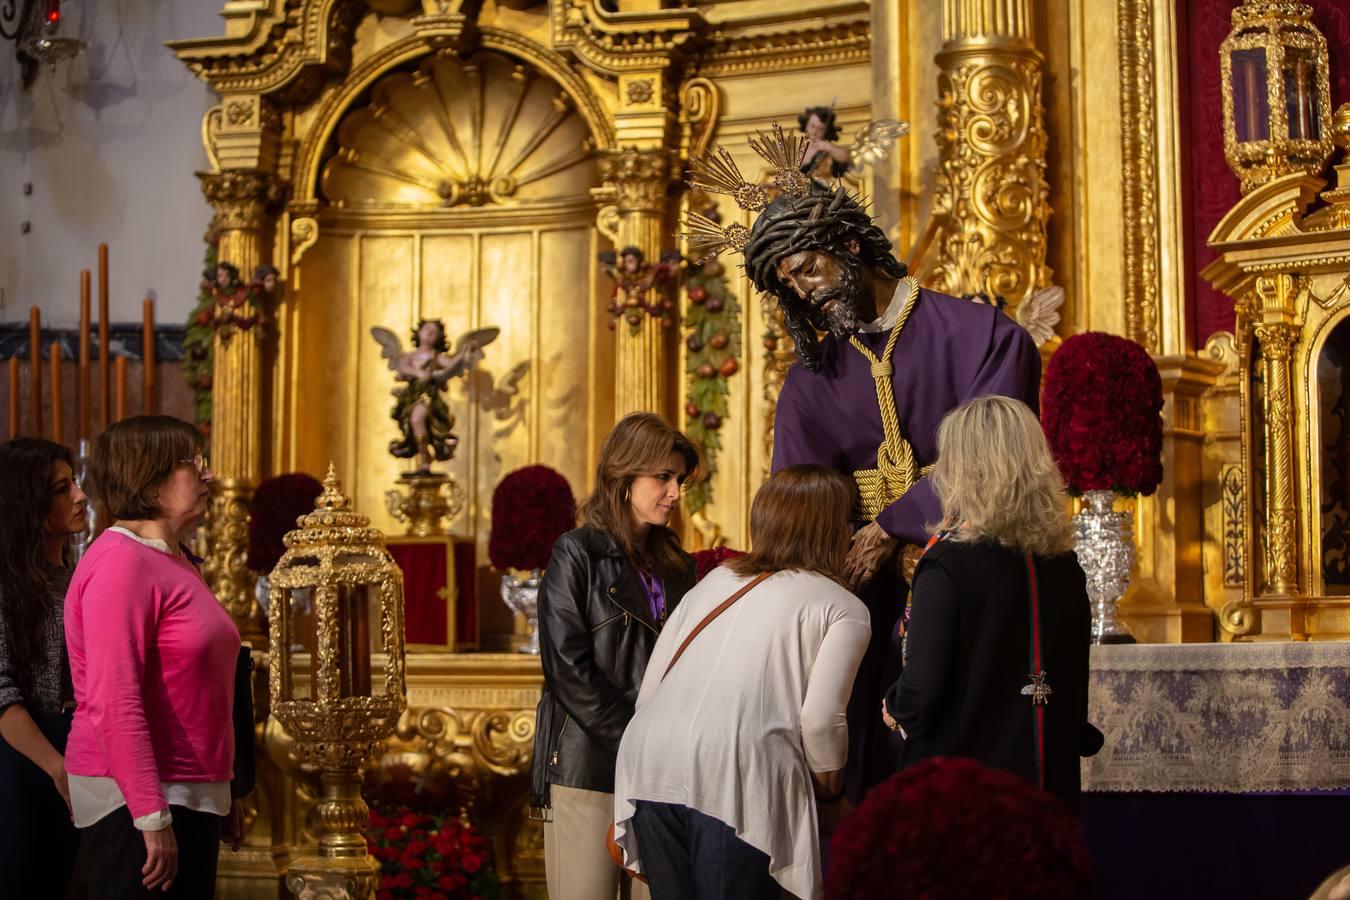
(890, 720)
(872, 546)
(232, 826)
(61, 781)
(161, 858)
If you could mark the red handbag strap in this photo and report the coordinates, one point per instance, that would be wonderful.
(707, 620)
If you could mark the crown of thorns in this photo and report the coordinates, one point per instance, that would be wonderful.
(717, 173)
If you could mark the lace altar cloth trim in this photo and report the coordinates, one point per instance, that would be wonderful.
(1231, 718)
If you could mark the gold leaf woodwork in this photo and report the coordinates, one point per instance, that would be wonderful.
(485, 131)
(990, 205)
(1140, 177)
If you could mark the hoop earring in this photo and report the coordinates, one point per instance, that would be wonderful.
(627, 493)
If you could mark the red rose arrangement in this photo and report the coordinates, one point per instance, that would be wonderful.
(430, 857)
(707, 560)
(1101, 411)
(951, 827)
(277, 503)
(531, 508)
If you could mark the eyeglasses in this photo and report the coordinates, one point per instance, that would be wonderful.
(198, 462)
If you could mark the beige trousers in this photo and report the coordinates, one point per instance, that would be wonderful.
(576, 862)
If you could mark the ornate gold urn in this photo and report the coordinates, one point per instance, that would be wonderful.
(1276, 92)
(337, 679)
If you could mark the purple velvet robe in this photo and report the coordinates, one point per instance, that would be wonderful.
(950, 351)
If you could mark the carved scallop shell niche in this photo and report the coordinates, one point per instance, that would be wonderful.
(488, 130)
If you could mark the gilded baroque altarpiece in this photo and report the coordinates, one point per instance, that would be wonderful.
(469, 159)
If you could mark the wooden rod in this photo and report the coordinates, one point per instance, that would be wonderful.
(120, 409)
(58, 407)
(104, 356)
(148, 383)
(35, 370)
(84, 384)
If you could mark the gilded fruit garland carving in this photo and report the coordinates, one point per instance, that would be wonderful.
(1234, 528)
(991, 195)
(1140, 175)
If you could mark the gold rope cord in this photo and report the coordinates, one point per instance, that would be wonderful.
(896, 468)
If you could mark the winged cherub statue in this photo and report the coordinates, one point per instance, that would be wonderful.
(423, 374)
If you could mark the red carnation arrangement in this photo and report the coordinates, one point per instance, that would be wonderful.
(277, 503)
(430, 857)
(531, 508)
(951, 828)
(1101, 412)
(707, 560)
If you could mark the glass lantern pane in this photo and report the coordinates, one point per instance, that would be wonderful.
(300, 641)
(353, 663)
(1300, 94)
(1251, 102)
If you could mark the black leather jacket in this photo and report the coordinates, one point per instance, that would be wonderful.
(596, 634)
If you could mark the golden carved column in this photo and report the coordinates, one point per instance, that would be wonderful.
(639, 179)
(990, 208)
(1280, 541)
(242, 200)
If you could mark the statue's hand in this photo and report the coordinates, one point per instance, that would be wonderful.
(872, 546)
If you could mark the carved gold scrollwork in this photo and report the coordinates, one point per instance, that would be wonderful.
(700, 105)
(242, 198)
(991, 197)
(226, 565)
(304, 234)
(473, 741)
(210, 126)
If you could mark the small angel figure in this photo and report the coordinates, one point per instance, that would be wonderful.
(1038, 314)
(826, 160)
(639, 286)
(239, 306)
(420, 409)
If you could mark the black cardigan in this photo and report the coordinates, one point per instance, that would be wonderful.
(960, 693)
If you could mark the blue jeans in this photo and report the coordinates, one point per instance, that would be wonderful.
(687, 855)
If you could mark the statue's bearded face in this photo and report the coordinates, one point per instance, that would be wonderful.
(830, 285)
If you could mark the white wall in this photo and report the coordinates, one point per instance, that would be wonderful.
(109, 143)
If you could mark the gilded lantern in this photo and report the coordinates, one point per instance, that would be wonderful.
(337, 598)
(1276, 92)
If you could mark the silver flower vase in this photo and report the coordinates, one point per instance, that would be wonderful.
(522, 596)
(1104, 543)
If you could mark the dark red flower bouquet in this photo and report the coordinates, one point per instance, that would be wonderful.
(950, 827)
(531, 508)
(1101, 412)
(277, 503)
(431, 857)
(707, 560)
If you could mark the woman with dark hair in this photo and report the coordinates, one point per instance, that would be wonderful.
(738, 745)
(605, 595)
(153, 658)
(41, 507)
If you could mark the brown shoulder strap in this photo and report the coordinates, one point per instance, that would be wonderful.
(707, 620)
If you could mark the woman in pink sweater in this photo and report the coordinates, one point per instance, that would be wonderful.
(152, 658)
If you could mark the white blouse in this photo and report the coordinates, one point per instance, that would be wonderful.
(752, 708)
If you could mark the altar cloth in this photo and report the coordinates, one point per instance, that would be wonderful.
(1226, 718)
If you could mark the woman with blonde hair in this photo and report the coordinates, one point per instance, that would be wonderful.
(996, 666)
(605, 596)
(737, 749)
